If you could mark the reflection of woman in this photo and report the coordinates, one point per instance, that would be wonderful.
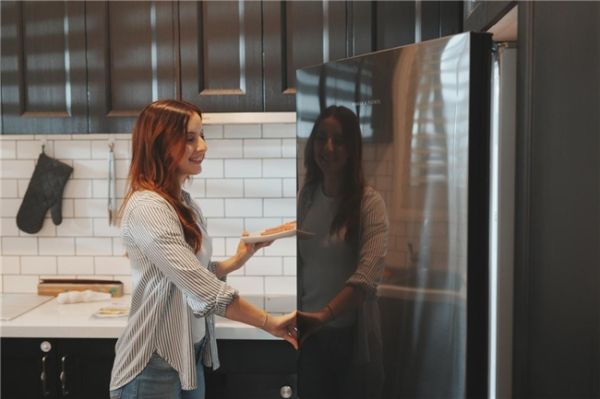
(176, 288)
(339, 267)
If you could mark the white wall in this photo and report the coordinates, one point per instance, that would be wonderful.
(248, 182)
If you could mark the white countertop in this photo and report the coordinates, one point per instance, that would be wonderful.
(54, 320)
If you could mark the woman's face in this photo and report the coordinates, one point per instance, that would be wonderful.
(195, 149)
(331, 153)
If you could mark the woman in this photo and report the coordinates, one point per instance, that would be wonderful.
(340, 264)
(177, 290)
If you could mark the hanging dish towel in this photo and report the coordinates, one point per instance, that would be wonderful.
(112, 196)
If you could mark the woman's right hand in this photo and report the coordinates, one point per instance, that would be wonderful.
(283, 327)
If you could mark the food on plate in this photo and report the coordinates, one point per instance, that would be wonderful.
(278, 229)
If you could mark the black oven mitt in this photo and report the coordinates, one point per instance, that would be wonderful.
(44, 192)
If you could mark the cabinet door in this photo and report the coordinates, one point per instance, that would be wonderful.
(84, 367)
(27, 370)
(132, 60)
(221, 58)
(298, 34)
(43, 67)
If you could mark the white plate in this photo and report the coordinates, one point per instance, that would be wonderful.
(257, 237)
(118, 312)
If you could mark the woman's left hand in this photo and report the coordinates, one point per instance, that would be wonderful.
(246, 250)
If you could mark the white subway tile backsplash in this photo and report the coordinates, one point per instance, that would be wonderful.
(243, 207)
(10, 265)
(242, 131)
(9, 207)
(282, 247)
(93, 246)
(112, 265)
(284, 207)
(224, 188)
(247, 285)
(56, 246)
(212, 168)
(289, 266)
(118, 248)
(91, 208)
(75, 227)
(90, 169)
(73, 149)
(262, 148)
(31, 149)
(8, 227)
(213, 132)
(280, 285)
(279, 167)
(218, 245)
(263, 266)
(103, 229)
(289, 188)
(19, 246)
(76, 188)
(272, 130)
(221, 227)
(8, 150)
(212, 207)
(247, 182)
(243, 168)
(17, 169)
(38, 265)
(9, 188)
(288, 148)
(262, 188)
(220, 149)
(78, 265)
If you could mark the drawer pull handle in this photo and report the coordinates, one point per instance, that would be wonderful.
(286, 391)
(63, 376)
(44, 377)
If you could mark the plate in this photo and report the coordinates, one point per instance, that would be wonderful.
(109, 312)
(258, 237)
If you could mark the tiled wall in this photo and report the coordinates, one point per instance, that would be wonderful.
(248, 182)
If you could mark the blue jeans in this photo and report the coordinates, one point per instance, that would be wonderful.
(158, 380)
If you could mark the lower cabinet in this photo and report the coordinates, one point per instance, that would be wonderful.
(253, 369)
(80, 368)
(56, 368)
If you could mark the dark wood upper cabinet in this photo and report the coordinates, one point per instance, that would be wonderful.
(43, 67)
(221, 55)
(295, 35)
(76, 67)
(132, 60)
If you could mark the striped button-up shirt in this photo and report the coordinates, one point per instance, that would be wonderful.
(171, 286)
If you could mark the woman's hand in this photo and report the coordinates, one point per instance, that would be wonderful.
(246, 250)
(283, 327)
(311, 322)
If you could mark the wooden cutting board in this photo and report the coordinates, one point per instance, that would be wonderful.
(56, 286)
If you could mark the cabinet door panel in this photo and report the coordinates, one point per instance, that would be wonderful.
(43, 67)
(23, 367)
(131, 60)
(298, 34)
(221, 60)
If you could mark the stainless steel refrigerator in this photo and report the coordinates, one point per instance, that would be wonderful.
(424, 114)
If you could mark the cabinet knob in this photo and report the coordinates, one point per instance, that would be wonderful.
(286, 391)
(46, 346)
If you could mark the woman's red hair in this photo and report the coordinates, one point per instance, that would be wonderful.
(157, 146)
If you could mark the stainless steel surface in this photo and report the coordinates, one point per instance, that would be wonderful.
(15, 305)
(414, 109)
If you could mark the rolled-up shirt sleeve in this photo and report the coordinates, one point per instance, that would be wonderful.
(373, 243)
(156, 230)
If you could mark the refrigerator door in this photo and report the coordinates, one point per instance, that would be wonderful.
(424, 118)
